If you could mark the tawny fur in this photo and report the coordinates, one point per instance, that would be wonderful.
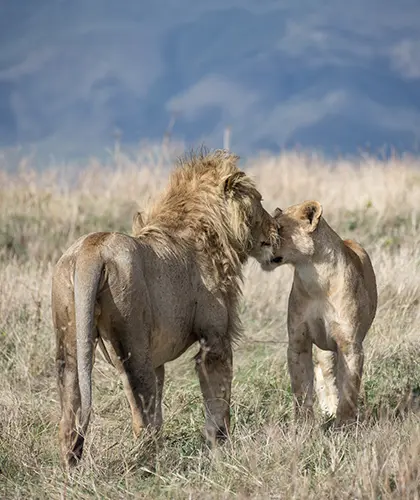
(146, 298)
(332, 305)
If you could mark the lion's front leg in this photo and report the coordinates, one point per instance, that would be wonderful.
(214, 369)
(160, 379)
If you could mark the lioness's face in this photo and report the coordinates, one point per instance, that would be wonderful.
(296, 226)
(264, 235)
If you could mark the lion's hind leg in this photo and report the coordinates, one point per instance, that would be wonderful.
(142, 384)
(71, 441)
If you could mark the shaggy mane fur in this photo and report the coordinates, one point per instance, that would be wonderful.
(197, 213)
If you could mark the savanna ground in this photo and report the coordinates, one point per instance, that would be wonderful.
(375, 202)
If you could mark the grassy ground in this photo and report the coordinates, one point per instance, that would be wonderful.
(377, 203)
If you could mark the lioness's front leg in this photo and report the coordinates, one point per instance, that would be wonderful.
(214, 369)
(326, 381)
(299, 359)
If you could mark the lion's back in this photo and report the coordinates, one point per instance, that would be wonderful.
(89, 247)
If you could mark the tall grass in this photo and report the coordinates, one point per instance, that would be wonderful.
(42, 213)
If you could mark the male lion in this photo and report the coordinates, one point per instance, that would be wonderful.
(332, 304)
(146, 298)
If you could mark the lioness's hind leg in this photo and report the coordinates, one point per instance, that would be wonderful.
(325, 381)
(350, 370)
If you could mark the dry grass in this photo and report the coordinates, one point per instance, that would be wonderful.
(376, 202)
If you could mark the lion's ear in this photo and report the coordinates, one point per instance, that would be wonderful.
(232, 182)
(310, 213)
(137, 224)
(277, 212)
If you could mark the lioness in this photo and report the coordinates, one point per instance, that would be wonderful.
(146, 299)
(332, 304)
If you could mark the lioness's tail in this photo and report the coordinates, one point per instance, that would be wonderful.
(87, 275)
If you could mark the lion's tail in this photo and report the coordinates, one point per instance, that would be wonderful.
(87, 275)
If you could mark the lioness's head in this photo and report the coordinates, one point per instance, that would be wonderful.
(252, 226)
(297, 227)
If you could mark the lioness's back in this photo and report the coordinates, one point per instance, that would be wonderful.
(364, 265)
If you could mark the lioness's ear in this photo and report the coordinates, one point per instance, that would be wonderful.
(137, 224)
(311, 212)
(277, 212)
(232, 181)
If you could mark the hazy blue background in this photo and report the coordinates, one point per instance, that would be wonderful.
(328, 74)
